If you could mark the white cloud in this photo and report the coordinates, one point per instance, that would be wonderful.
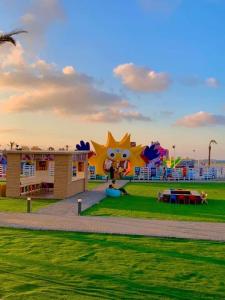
(41, 14)
(38, 18)
(212, 82)
(42, 66)
(40, 87)
(115, 115)
(201, 119)
(11, 56)
(68, 70)
(193, 81)
(142, 79)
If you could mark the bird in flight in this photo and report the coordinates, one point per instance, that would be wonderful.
(8, 37)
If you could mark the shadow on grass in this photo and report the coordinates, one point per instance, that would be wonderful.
(109, 267)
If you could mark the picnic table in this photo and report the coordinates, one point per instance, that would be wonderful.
(180, 196)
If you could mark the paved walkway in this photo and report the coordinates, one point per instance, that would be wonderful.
(190, 230)
(63, 216)
(68, 207)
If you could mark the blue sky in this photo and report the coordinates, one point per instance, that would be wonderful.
(182, 42)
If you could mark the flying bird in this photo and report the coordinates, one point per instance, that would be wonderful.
(8, 37)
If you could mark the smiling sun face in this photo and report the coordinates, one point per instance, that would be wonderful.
(119, 154)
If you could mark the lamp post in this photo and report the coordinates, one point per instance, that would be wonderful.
(79, 206)
(194, 156)
(174, 154)
(210, 148)
(29, 208)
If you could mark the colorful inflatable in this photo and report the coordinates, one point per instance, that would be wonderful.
(154, 155)
(85, 146)
(121, 156)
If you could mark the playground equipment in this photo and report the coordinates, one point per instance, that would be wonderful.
(119, 155)
(172, 162)
(113, 193)
(85, 146)
(126, 160)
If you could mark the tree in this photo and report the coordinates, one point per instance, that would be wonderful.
(24, 147)
(35, 148)
(8, 37)
(11, 145)
(51, 148)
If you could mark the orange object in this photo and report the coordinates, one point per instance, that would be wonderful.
(3, 190)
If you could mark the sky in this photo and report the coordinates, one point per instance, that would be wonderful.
(153, 68)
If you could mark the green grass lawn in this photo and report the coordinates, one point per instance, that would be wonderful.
(141, 203)
(93, 184)
(63, 265)
(20, 205)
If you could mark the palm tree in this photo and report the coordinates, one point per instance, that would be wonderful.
(11, 145)
(8, 37)
(210, 148)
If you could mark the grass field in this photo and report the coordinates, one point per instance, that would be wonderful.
(93, 184)
(20, 205)
(60, 265)
(141, 203)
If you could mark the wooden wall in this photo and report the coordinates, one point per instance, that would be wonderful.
(63, 184)
(13, 175)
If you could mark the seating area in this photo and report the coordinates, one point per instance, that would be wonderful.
(113, 193)
(180, 196)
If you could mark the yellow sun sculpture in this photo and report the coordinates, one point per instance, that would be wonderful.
(119, 155)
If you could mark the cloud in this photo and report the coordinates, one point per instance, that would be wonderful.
(165, 7)
(43, 67)
(115, 115)
(41, 15)
(142, 79)
(68, 70)
(38, 17)
(201, 119)
(11, 56)
(212, 82)
(43, 87)
(193, 81)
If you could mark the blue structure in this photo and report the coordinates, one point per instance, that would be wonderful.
(113, 193)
